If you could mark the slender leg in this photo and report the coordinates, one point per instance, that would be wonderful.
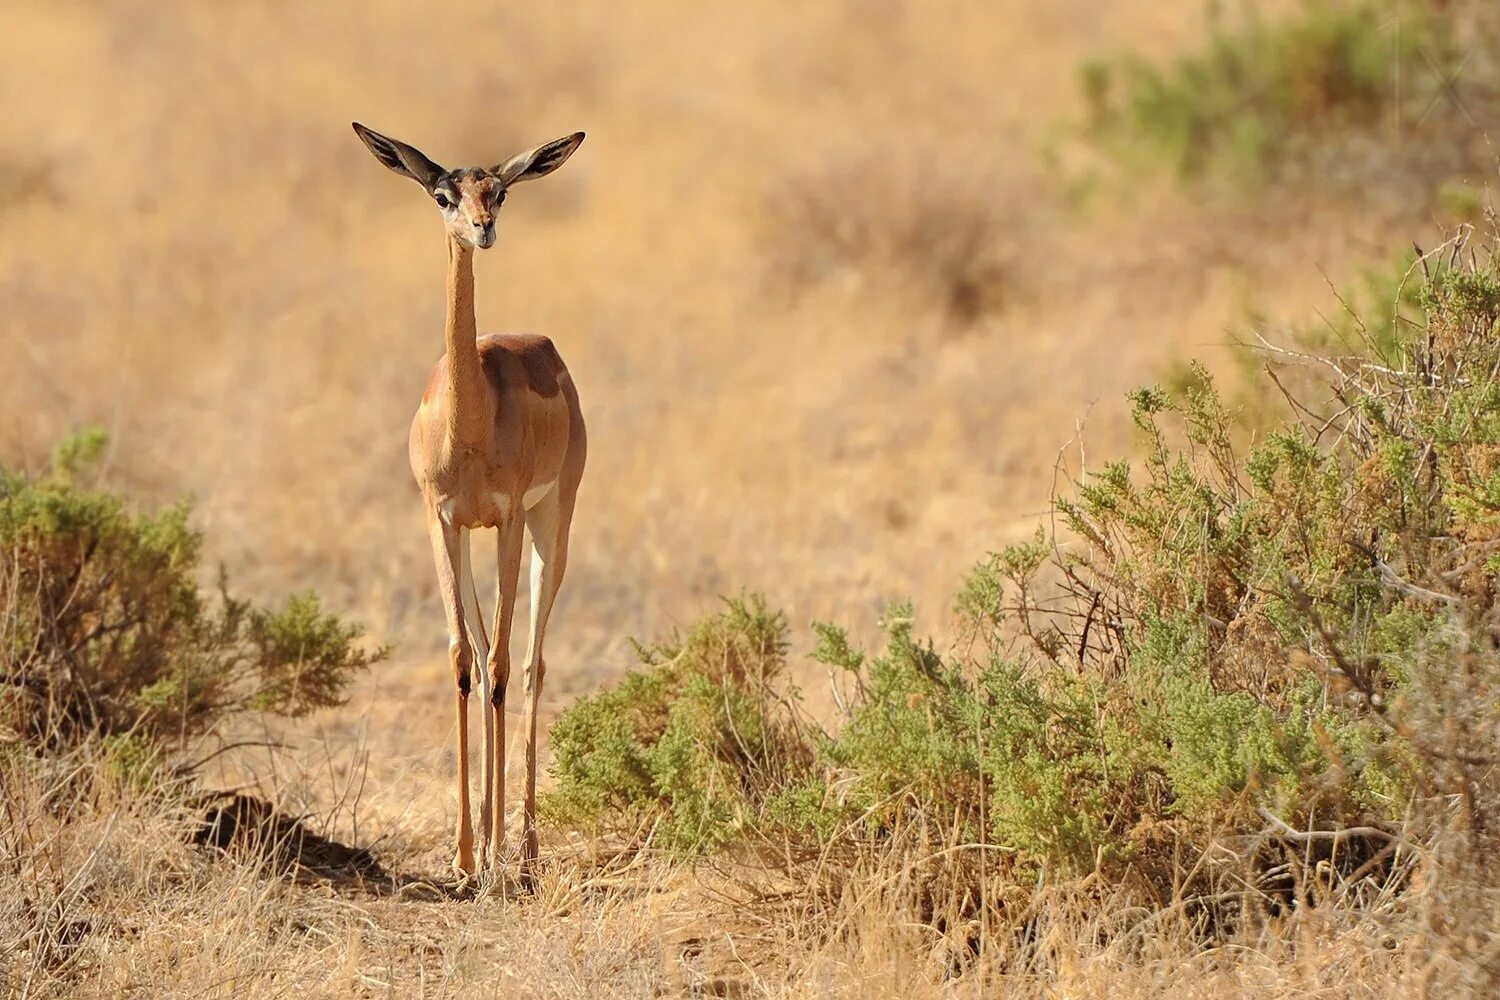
(480, 644)
(445, 550)
(548, 524)
(508, 563)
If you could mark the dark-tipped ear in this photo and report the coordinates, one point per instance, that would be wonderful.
(538, 162)
(408, 161)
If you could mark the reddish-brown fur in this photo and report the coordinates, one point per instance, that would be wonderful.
(538, 432)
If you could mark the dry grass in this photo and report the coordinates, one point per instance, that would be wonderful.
(197, 254)
(106, 898)
(102, 895)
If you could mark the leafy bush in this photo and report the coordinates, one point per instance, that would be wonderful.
(1005, 756)
(696, 739)
(1260, 89)
(104, 631)
(1269, 645)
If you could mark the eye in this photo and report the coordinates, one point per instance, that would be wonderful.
(442, 201)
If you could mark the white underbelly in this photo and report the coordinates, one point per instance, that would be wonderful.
(534, 496)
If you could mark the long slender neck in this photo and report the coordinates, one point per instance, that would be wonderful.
(468, 403)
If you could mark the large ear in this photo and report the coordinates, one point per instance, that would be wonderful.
(538, 162)
(408, 161)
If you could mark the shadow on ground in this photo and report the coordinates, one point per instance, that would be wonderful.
(251, 827)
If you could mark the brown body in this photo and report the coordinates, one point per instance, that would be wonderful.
(538, 434)
(498, 442)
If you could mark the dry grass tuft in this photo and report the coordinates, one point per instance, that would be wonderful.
(911, 222)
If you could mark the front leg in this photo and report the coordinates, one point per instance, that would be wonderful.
(474, 624)
(447, 554)
(508, 566)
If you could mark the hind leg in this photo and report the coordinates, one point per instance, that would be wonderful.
(547, 524)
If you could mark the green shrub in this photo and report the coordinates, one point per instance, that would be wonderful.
(105, 632)
(1462, 202)
(698, 739)
(1302, 629)
(1261, 90)
(1002, 755)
